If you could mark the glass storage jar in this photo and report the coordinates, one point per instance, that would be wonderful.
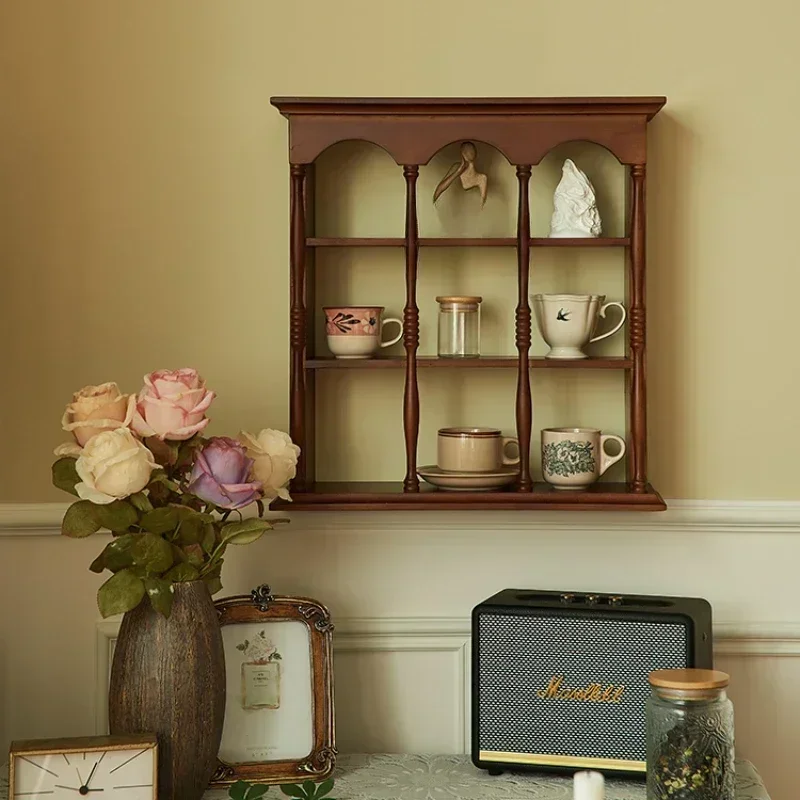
(690, 744)
(459, 326)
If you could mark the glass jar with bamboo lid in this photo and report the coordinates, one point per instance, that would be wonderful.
(690, 741)
(459, 326)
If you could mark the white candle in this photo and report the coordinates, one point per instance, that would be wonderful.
(589, 786)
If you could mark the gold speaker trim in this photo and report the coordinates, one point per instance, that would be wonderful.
(543, 760)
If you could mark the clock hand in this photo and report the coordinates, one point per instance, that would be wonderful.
(71, 788)
(97, 764)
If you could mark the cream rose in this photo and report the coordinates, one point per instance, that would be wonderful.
(274, 460)
(95, 409)
(113, 465)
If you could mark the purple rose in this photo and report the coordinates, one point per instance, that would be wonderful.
(221, 472)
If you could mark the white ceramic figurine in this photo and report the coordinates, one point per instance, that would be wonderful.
(574, 206)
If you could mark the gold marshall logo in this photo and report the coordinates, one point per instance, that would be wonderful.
(593, 693)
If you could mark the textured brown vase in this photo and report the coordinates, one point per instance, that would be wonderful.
(168, 678)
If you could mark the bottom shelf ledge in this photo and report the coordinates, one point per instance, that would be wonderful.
(391, 497)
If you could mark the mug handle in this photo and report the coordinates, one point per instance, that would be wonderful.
(507, 460)
(602, 313)
(605, 459)
(396, 338)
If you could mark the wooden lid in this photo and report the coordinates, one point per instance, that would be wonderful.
(459, 299)
(689, 679)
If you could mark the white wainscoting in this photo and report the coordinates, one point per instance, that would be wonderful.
(403, 684)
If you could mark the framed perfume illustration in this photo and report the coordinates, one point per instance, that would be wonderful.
(279, 687)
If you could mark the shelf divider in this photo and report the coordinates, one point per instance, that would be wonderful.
(458, 241)
(411, 333)
(524, 405)
(484, 362)
(637, 464)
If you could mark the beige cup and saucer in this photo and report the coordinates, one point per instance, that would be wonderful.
(472, 460)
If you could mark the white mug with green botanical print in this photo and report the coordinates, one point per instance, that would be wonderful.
(574, 458)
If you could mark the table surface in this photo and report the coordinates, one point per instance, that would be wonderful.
(432, 777)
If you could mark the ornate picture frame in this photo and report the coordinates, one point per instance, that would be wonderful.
(279, 717)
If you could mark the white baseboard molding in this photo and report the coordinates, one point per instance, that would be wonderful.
(681, 516)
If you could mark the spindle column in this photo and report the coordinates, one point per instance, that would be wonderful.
(523, 332)
(636, 322)
(411, 332)
(298, 323)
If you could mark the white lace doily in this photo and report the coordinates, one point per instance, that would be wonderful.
(422, 777)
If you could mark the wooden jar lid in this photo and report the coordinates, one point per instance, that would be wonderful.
(460, 299)
(689, 679)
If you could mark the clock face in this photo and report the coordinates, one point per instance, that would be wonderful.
(121, 774)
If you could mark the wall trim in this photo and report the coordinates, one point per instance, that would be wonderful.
(682, 516)
(452, 635)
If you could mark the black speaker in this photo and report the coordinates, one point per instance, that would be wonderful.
(559, 679)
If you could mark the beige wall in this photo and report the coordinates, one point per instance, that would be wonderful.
(144, 209)
(143, 223)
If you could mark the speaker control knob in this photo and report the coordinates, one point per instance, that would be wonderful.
(567, 598)
(615, 600)
(592, 599)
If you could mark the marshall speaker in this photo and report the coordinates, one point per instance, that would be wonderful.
(559, 679)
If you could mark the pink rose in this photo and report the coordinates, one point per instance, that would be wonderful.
(95, 409)
(172, 404)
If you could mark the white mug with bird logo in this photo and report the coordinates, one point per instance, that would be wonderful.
(567, 321)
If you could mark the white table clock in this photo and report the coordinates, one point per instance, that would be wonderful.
(93, 768)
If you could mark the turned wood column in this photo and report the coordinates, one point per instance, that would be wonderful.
(636, 322)
(411, 332)
(523, 332)
(298, 323)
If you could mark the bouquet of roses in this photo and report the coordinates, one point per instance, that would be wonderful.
(143, 471)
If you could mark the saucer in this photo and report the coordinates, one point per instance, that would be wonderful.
(468, 481)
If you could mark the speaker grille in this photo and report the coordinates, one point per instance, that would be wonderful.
(520, 655)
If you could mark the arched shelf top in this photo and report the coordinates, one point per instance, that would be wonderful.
(361, 140)
(583, 141)
(413, 130)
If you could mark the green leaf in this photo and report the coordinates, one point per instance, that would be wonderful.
(209, 538)
(256, 791)
(214, 583)
(99, 564)
(120, 593)
(80, 520)
(161, 593)
(238, 790)
(292, 790)
(141, 502)
(65, 476)
(160, 520)
(117, 554)
(244, 532)
(181, 573)
(152, 552)
(309, 787)
(165, 453)
(191, 530)
(159, 478)
(117, 516)
(323, 788)
(194, 555)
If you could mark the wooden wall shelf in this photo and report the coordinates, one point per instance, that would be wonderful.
(412, 131)
(316, 241)
(484, 362)
(390, 496)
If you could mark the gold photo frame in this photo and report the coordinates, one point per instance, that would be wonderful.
(279, 716)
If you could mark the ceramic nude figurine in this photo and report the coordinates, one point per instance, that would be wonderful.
(575, 213)
(465, 169)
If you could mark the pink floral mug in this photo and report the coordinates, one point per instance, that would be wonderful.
(355, 331)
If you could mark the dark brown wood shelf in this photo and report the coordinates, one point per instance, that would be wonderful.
(390, 496)
(376, 241)
(491, 362)
(412, 131)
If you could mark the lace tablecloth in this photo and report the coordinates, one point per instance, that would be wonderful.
(418, 777)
